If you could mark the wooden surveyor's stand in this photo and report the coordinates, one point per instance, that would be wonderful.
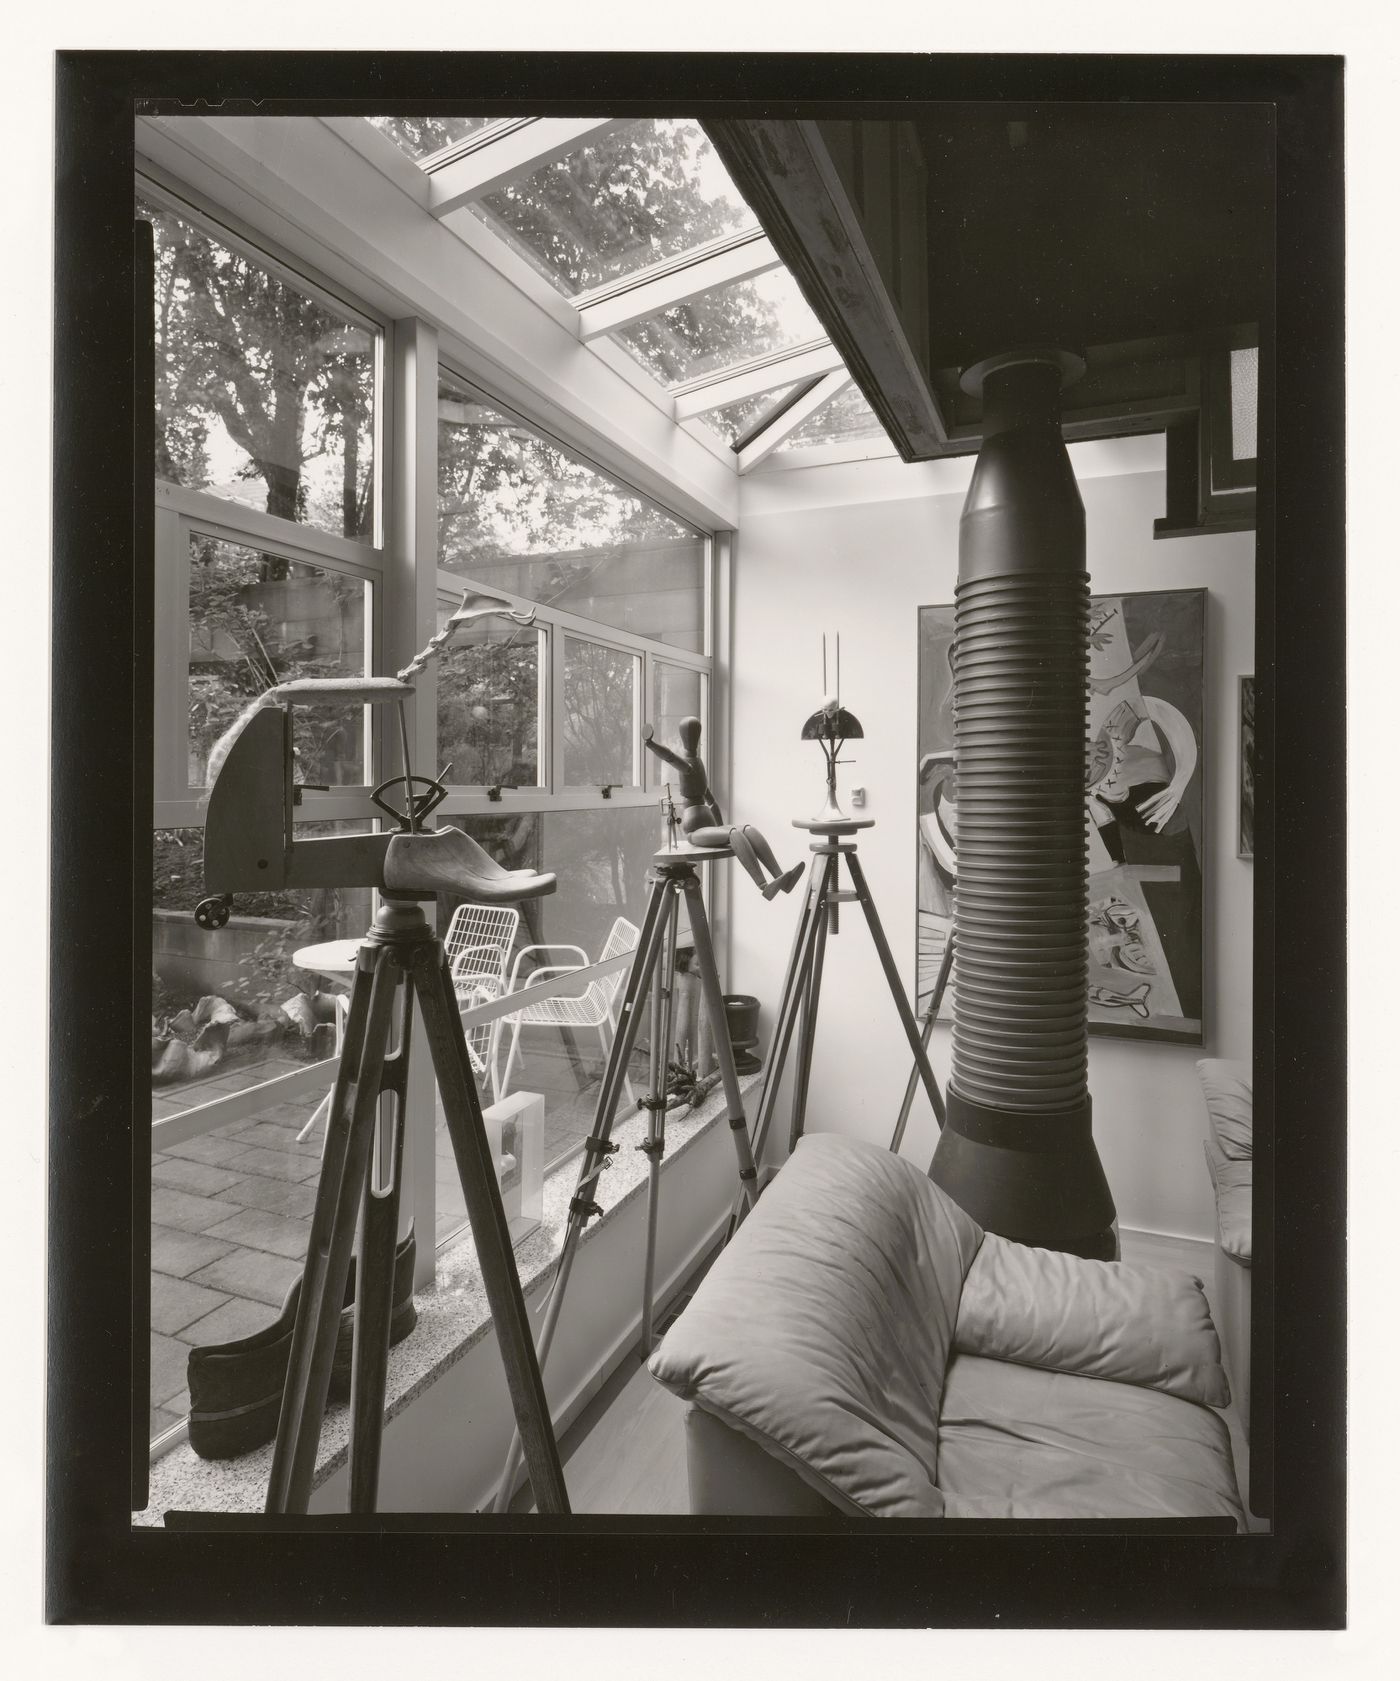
(400, 958)
(832, 840)
(674, 872)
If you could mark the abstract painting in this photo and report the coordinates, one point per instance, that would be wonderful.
(1246, 847)
(1143, 806)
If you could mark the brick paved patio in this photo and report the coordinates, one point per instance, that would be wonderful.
(231, 1211)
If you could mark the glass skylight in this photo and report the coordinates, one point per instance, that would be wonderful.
(647, 201)
(719, 329)
(735, 419)
(846, 419)
(421, 137)
(639, 194)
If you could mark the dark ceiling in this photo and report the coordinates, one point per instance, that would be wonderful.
(1082, 225)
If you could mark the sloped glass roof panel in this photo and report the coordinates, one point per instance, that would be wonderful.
(719, 329)
(421, 137)
(735, 419)
(639, 194)
(846, 419)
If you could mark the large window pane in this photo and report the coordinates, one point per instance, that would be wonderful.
(641, 193)
(258, 619)
(600, 715)
(230, 1008)
(518, 513)
(488, 704)
(264, 396)
(723, 327)
(601, 860)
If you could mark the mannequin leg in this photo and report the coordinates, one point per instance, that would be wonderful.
(781, 882)
(742, 850)
(747, 855)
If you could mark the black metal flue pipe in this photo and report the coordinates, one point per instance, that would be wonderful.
(1017, 1151)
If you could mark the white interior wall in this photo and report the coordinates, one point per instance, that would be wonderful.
(857, 549)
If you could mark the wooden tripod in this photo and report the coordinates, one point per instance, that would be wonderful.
(832, 840)
(401, 957)
(673, 874)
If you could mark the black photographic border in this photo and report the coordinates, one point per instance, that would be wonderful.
(587, 1571)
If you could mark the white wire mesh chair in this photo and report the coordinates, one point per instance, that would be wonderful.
(593, 1007)
(478, 945)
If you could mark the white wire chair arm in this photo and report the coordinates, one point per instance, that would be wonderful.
(583, 961)
(543, 972)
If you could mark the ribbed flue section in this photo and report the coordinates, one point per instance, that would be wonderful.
(1020, 1010)
(1017, 1150)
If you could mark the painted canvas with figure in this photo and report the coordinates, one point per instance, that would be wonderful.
(1144, 807)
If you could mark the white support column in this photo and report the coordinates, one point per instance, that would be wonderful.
(518, 152)
(720, 730)
(608, 308)
(829, 386)
(751, 379)
(410, 619)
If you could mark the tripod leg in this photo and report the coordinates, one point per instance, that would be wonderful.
(374, 1290)
(901, 1003)
(598, 1146)
(813, 914)
(344, 1166)
(482, 1194)
(940, 986)
(719, 1028)
(662, 995)
(811, 998)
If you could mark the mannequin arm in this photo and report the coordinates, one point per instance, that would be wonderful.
(653, 746)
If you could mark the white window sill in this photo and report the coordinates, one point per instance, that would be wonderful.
(452, 1317)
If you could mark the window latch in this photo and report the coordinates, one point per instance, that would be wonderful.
(495, 789)
(607, 789)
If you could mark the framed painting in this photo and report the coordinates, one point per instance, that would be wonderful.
(1144, 799)
(1246, 846)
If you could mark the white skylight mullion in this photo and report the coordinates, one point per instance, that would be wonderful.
(609, 308)
(760, 448)
(752, 378)
(519, 151)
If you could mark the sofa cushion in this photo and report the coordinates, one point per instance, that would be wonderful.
(1100, 1319)
(1229, 1095)
(1017, 1442)
(823, 1331)
(1234, 1202)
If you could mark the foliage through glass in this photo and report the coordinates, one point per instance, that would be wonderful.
(641, 193)
(488, 705)
(517, 512)
(258, 619)
(264, 396)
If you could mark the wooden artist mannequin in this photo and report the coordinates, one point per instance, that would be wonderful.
(702, 821)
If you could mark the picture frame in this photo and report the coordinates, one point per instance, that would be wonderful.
(1145, 811)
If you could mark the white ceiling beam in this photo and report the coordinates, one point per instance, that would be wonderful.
(751, 379)
(521, 151)
(829, 386)
(606, 309)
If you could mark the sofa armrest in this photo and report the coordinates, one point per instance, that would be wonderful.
(729, 1473)
(1104, 1319)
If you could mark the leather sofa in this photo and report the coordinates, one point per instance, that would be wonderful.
(862, 1347)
